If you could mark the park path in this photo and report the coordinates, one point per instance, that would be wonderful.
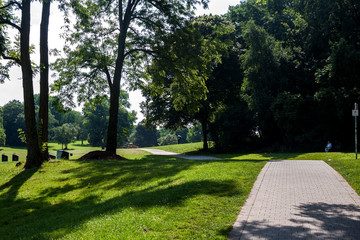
(178, 155)
(299, 200)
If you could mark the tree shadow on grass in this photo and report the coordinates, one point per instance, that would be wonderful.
(16, 182)
(49, 215)
(313, 221)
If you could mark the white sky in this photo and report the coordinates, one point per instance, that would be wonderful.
(11, 90)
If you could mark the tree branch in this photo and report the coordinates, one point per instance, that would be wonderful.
(3, 21)
(148, 21)
(11, 3)
(10, 58)
(136, 2)
(148, 51)
(121, 14)
(108, 77)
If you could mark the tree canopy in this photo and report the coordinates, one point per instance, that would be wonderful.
(289, 79)
(109, 41)
(275, 74)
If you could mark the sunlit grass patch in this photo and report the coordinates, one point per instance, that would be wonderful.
(150, 198)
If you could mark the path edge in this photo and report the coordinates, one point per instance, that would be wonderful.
(242, 218)
(353, 194)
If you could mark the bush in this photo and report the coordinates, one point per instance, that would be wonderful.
(168, 140)
(2, 137)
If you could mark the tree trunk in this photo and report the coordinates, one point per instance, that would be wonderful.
(111, 142)
(44, 81)
(205, 133)
(33, 158)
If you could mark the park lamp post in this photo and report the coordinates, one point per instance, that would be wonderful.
(355, 114)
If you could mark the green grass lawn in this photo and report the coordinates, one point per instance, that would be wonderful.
(76, 148)
(349, 169)
(145, 197)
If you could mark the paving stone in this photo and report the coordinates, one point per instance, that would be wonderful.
(299, 199)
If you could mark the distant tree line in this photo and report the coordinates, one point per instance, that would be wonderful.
(66, 126)
(269, 74)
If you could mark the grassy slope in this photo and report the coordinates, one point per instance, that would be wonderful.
(148, 197)
(344, 163)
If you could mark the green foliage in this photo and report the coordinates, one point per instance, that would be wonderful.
(2, 130)
(183, 77)
(145, 137)
(286, 111)
(65, 134)
(96, 121)
(13, 119)
(168, 139)
(71, 117)
(111, 41)
(8, 50)
(194, 134)
(126, 122)
(185, 61)
(340, 78)
(232, 127)
(269, 67)
(2, 137)
(182, 133)
(22, 135)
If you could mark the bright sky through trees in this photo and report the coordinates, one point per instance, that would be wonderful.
(11, 90)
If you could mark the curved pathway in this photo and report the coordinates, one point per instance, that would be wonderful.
(177, 155)
(299, 200)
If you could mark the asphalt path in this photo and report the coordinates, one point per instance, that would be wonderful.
(177, 155)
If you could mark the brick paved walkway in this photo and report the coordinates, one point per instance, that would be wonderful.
(299, 200)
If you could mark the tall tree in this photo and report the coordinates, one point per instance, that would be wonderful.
(43, 123)
(263, 79)
(131, 28)
(33, 150)
(21, 56)
(181, 71)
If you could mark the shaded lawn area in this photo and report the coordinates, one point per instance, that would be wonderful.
(151, 198)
